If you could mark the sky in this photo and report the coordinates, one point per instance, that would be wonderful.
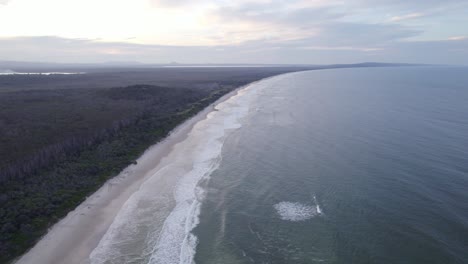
(235, 31)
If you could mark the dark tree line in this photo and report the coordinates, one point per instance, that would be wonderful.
(54, 153)
(38, 191)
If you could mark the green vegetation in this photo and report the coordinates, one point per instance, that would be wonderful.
(59, 146)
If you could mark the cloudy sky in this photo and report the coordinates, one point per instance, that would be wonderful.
(235, 31)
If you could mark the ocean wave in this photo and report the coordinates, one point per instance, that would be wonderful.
(155, 225)
(176, 242)
(295, 212)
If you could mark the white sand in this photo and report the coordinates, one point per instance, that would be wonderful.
(71, 240)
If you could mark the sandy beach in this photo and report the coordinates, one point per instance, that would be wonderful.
(73, 238)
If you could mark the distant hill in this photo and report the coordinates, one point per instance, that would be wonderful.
(23, 66)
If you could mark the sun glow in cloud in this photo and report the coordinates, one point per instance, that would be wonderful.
(106, 20)
(136, 21)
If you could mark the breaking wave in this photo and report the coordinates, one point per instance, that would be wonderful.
(159, 218)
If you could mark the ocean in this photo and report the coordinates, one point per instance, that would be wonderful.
(365, 165)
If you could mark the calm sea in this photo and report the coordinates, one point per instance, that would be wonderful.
(343, 166)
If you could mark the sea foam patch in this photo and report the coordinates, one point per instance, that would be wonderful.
(293, 211)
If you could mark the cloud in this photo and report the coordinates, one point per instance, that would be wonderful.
(457, 38)
(268, 31)
(4, 2)
(406, 17)
(405, 4)
(55, 49)
(277, 12)
(318, 24)
(348, 36)
(341, 48)
(50, 48)
(171, 3)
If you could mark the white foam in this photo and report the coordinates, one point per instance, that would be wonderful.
(317, 206)
(176, 243)
(293, 211)
(160, 216)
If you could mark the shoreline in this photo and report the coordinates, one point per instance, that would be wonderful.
(73, 238)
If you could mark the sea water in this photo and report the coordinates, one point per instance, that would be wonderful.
(345, 166)
(332, 166)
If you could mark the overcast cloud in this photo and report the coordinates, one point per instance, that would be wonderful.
(242, 31)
